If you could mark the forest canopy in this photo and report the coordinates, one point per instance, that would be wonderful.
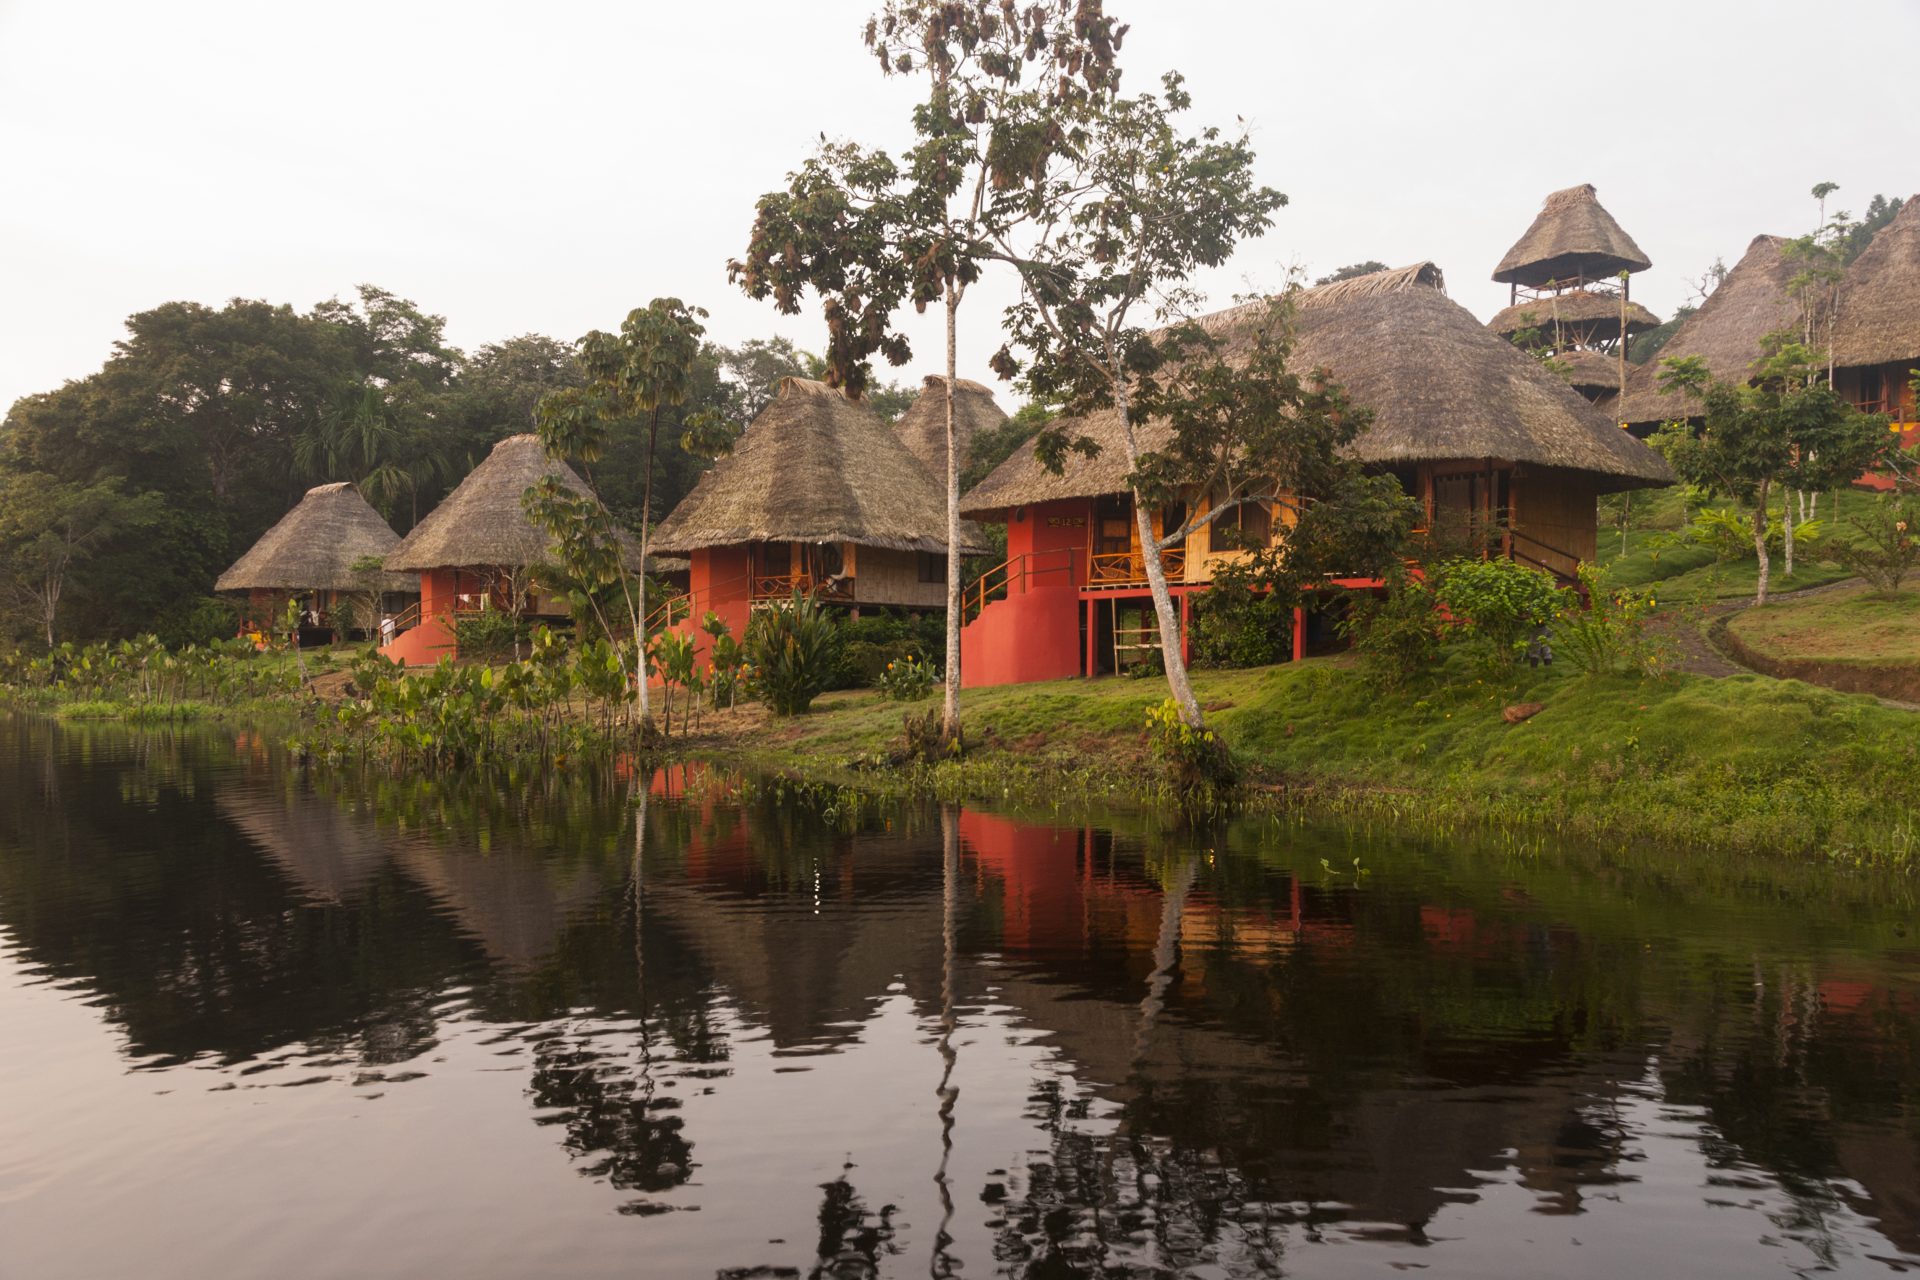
(206, 425)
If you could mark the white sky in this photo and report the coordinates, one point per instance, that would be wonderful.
(545, 166)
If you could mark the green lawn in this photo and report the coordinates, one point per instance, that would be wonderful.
(1746, 762)
(1684, 571)
(1857, 628)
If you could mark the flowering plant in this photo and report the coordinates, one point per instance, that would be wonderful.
(908, 680)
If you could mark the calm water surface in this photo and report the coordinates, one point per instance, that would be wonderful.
(254, 1023)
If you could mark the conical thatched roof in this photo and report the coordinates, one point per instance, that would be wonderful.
(815, 466)
(923, 427)
(1585, 370)
(483, 522)
(1750, 303)
(1572, 236)
(1576, 308)
(1440, 387)
(1879, 320)
(313, 547)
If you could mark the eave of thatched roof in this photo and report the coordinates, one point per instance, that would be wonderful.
(815, 466)
(923, 427)
(1439, 384)
(314, 546)
(1573, 236)
(1879, 319)
(483, 522)
(1726, 331)
(1576, 307)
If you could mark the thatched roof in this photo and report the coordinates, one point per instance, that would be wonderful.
(313, 547)
(1576, 308)
(1440, 387)
(483, 521)
(1879, 320)
(1750, 303)
(1572, 237)
(923, 427)
(815, 466)
(1586, 370)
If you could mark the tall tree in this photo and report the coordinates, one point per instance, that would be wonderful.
(1123, 216)
(48, 526)
(1759, 437)
(631, 379)
(867, 234)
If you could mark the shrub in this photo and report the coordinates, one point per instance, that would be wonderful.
(1396, 636)
(866, 662)
(908, 680)
(1729, 532)
(795, 650)
(1609, 633)
(1237, 626)
(1887, 550)
(1197, 765)
(874, 640)
(1498, 607)
(489, 635)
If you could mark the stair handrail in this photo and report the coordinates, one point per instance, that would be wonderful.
(1023, 568)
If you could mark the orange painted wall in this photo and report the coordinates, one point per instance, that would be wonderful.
(426, 644)
(719, 583)
(1033, 634)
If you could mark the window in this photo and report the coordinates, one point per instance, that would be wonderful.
(1245, 526)
(933, 567)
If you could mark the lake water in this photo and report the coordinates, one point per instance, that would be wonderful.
(259, 1023)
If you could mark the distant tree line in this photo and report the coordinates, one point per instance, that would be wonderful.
(125, 493)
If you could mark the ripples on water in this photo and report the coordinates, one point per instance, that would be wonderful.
(252, 1023)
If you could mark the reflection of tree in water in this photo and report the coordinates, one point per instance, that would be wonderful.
(853, 1238)
(626, 1131)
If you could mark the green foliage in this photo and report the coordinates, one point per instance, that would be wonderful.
(490, 635)
(1352, 271)
(795, 650)
(143, 677)
(1497, 607)
(726, 661)
(1238, 624)
(1607, 634)
(908, 680)
(1396, 636)
(1196, 765)
(1729, 532)
(1885, 549)
(874, 640)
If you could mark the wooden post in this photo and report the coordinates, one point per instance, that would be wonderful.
(1299, 632)
(1093, 636)
(1186, 628)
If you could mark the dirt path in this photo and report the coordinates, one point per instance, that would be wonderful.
(1697, 654)
(1688, 631)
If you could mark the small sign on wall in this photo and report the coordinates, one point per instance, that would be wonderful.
(1066, 522)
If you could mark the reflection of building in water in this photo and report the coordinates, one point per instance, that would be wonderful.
(330, 855)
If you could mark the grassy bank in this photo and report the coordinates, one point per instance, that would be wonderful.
(1851, 639)
(1746, 763)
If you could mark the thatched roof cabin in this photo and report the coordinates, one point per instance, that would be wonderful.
(1573, 238)
(1440, 385)
(314, 547)
(1879, 318)
(1726, 332)
(814, 467)
(1575, 309)
(923, 427)
(483, 522)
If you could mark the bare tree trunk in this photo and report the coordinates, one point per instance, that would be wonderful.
(640, 612)
(1172, 658)
(950, 706)
(1786, 528)
(1760, 544)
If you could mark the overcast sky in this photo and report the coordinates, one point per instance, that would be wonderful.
(546, 165)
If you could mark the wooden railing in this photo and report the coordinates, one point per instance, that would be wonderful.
(1128, 568)
(1014, 574)
(779, 586)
